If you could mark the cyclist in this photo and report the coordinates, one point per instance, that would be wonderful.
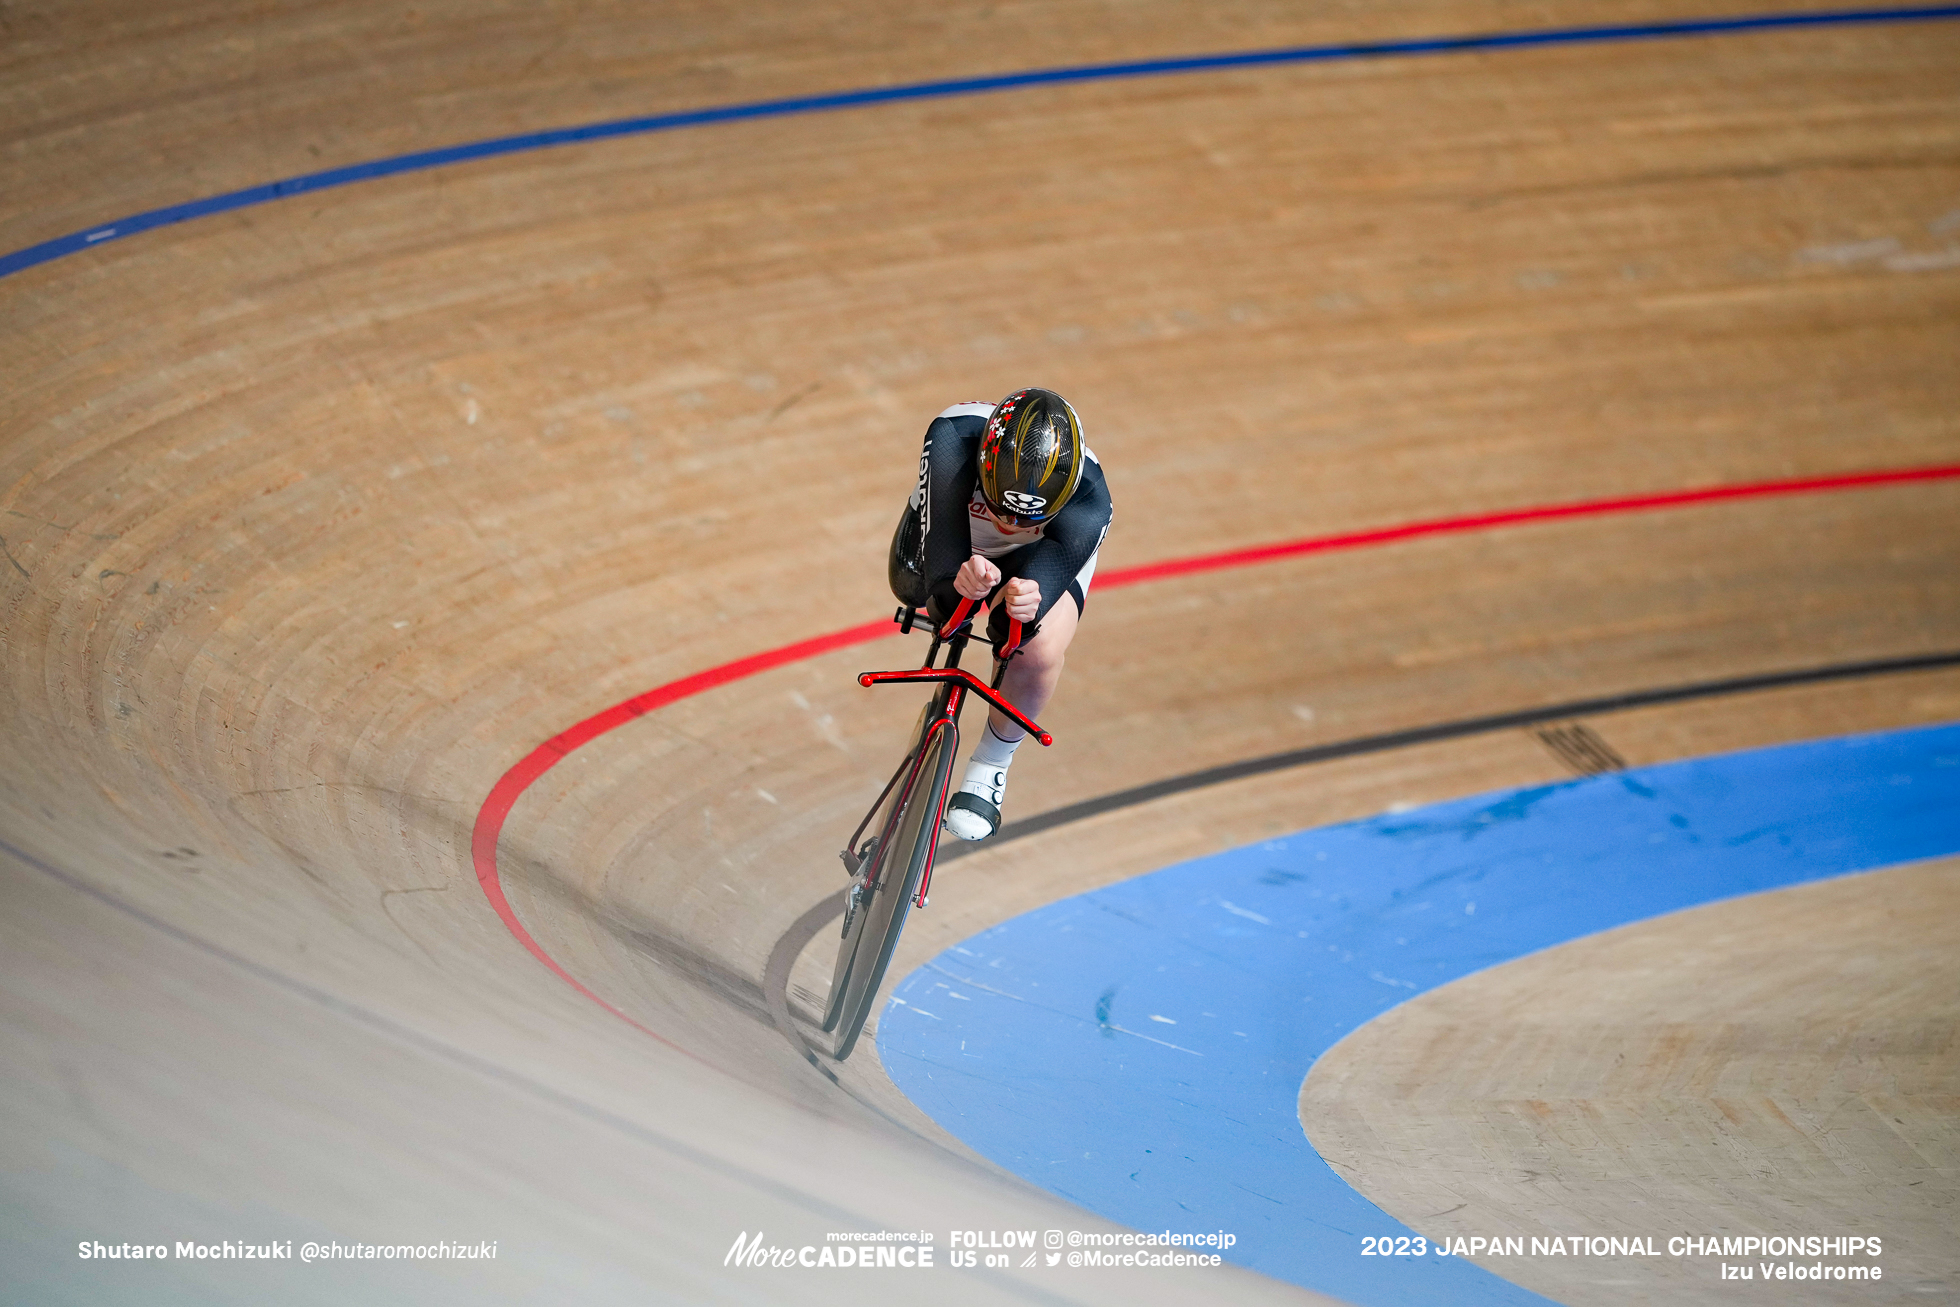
(1010, 507)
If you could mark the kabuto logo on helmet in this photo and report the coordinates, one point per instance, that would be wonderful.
(1030, 455)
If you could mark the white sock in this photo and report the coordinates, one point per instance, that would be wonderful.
(992, 751)
(986, 777)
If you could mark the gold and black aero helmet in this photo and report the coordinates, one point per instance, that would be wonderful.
(1030, 456)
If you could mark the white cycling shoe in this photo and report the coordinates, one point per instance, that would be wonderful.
(974, 813)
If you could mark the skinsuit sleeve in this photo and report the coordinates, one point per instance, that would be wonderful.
(1075, 533)
(933, 539)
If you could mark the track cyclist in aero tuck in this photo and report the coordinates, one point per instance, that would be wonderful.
(1010, 508)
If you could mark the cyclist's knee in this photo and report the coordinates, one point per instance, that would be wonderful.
(1047, 649)
(1044, 662)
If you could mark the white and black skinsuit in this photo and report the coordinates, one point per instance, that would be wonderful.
(946, 522)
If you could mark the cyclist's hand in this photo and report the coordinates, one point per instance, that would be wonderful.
(1022, 599)
(977, 578)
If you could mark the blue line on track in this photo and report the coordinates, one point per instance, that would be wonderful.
(135, 224)
(1139, 1049)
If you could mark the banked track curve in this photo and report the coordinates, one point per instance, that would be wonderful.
(503, 796)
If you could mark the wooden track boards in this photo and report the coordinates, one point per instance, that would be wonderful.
(1790, 1068)
(319, 515)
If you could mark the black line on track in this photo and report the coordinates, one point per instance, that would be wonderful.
(775, 991)
(783, 957)
(1367, 744)
(775, 981)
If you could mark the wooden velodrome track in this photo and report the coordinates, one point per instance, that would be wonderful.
(320, 515)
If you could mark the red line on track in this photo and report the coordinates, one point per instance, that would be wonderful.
(1483, 521)
(504, 794)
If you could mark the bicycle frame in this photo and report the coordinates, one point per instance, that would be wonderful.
(907, 841)
(956, 683)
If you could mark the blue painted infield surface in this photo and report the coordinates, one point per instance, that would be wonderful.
(150, 220)
(1139, 1049)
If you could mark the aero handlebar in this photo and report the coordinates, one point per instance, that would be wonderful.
(970, 681)
(964, 611)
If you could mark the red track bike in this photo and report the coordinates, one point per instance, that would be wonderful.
(891, 870)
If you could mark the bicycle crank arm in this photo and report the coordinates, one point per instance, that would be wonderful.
(963, 677)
